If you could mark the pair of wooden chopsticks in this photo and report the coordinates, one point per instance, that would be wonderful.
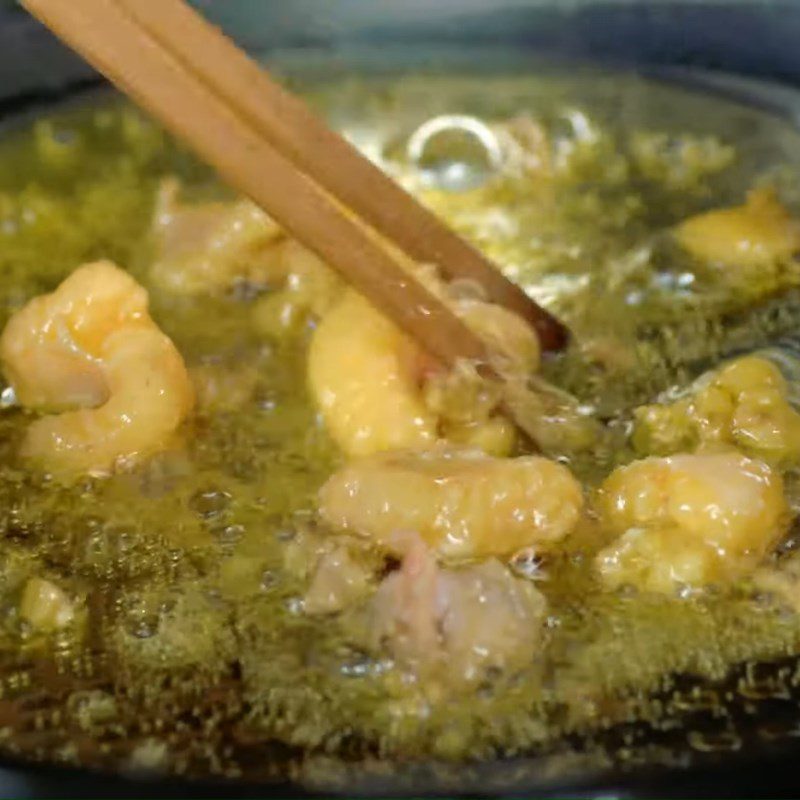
(267, 144)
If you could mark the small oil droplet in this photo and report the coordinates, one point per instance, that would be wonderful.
(210, 503)
(723, 741)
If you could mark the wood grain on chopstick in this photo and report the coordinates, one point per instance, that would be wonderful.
(336, 165)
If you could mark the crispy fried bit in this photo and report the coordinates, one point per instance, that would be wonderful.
(745, 403)
(91, 351)
(689, 520)
(463, 504)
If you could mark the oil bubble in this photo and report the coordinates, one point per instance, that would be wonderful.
(454, 152)
(210, 503)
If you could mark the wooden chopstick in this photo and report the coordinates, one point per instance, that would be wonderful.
(147, 70)
(286, 122)
(119, 48)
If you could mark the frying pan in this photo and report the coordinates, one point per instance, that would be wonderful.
(747, 50)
